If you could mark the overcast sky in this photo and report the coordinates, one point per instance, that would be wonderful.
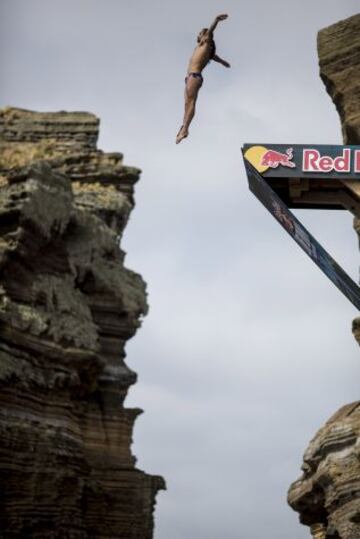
(247, 348)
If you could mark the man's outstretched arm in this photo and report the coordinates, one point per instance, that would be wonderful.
(214, 24)
(217, 58)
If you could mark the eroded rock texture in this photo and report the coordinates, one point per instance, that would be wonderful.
(339, 59)
(67, 307)
(327, 496)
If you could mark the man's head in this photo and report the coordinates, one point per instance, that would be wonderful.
(201, 34)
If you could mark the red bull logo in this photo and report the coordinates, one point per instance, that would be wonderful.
(264, 158)
(273, 159)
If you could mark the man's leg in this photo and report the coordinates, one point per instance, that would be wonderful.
(192, 88)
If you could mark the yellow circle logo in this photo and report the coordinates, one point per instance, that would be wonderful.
(254, 155)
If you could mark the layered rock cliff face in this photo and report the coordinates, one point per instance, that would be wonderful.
(67, 307)
(327, 496)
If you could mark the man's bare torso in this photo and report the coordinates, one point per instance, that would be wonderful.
(201, 56)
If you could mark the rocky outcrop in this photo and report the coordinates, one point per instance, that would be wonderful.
(339, 59)
(327, 496)
(67, 307)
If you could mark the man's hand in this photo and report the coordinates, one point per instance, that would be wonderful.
(221, 17)
(217, 58)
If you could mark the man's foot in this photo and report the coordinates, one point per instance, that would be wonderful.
(183, 133)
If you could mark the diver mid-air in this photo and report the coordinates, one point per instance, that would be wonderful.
(203, 53)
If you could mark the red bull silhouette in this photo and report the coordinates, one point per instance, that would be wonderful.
(273, 159)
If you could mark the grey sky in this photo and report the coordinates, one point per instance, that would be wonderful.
(247, 348)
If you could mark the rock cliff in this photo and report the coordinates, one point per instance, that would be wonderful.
(327, 496)
(67, 307)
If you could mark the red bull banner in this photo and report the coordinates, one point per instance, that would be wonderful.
(299, 161)
(294, 158)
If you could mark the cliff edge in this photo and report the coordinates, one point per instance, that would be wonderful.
(67, 307)
(327, 496)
